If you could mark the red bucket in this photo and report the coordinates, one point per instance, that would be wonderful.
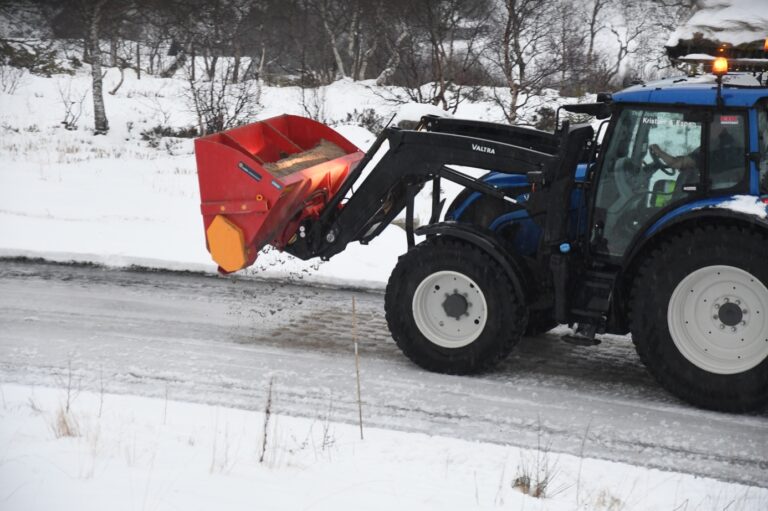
(258, 182)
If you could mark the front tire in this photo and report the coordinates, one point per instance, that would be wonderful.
(699, 317)
(452, 309)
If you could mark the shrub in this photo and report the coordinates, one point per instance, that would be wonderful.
(154, 135)
(367, 118)
(221, 103)
(39, 59)
(11, 78)
(544, 118)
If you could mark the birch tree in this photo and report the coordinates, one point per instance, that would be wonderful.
(92, 12)
(352, 31)
(524, 50)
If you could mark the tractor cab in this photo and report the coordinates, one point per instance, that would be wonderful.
(679, 151)
(664, 151)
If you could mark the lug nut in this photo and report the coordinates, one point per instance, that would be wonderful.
(722, 327)
(714, 317)
(744, 311)
(733, 329)
(717, 306)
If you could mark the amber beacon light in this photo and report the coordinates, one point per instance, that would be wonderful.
(720, 66)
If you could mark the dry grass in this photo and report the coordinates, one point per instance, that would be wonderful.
(537, 471)
(65, 424)
(267, 414)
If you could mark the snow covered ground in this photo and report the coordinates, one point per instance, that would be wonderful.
(122, 452)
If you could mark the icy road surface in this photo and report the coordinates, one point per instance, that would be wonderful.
(220, 341)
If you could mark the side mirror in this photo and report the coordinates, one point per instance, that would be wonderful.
(604, 97)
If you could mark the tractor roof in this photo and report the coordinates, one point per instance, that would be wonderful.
(739, 89)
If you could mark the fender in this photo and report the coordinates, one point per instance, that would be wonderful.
(747, 207)
(485, 242)
(497, 179)
(505, 181)
(707, 211)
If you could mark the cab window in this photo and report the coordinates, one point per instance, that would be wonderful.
(653, 159)
(727, 150)
(762, 142)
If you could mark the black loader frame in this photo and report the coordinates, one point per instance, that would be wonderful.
(417, 157)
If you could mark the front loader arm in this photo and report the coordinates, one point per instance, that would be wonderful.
(413, 159)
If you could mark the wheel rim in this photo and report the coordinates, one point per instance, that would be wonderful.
(449, 309)
(718, 319)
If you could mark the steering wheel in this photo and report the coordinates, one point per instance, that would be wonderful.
(658, 164)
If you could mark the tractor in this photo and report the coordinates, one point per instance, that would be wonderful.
(649, 219)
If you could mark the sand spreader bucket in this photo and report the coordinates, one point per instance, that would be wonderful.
(259, 182)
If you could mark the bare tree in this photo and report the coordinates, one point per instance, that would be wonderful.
(352, 30)
(92, 12)
(595, 23)
(393, 62)
(524, 52)
(437, 50)
(568, 39)
(220, 103)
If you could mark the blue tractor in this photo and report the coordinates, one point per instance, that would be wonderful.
(650, 219)
(655, 226)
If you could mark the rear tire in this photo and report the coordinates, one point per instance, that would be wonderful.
(699, 317)
(452, 309)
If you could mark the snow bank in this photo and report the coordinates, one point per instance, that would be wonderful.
(140, 453)
(732, 21)
(413, 112)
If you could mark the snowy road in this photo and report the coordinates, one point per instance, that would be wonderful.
(220, 341)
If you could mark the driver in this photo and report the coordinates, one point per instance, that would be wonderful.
(721, 142)
(685, 162)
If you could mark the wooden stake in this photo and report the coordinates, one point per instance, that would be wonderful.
(357, 368)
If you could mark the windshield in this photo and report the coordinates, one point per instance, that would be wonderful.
(652, 160)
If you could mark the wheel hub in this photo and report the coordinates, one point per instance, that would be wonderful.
(455, 305)
(449, 309)
(718, 319)
(730, 314)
